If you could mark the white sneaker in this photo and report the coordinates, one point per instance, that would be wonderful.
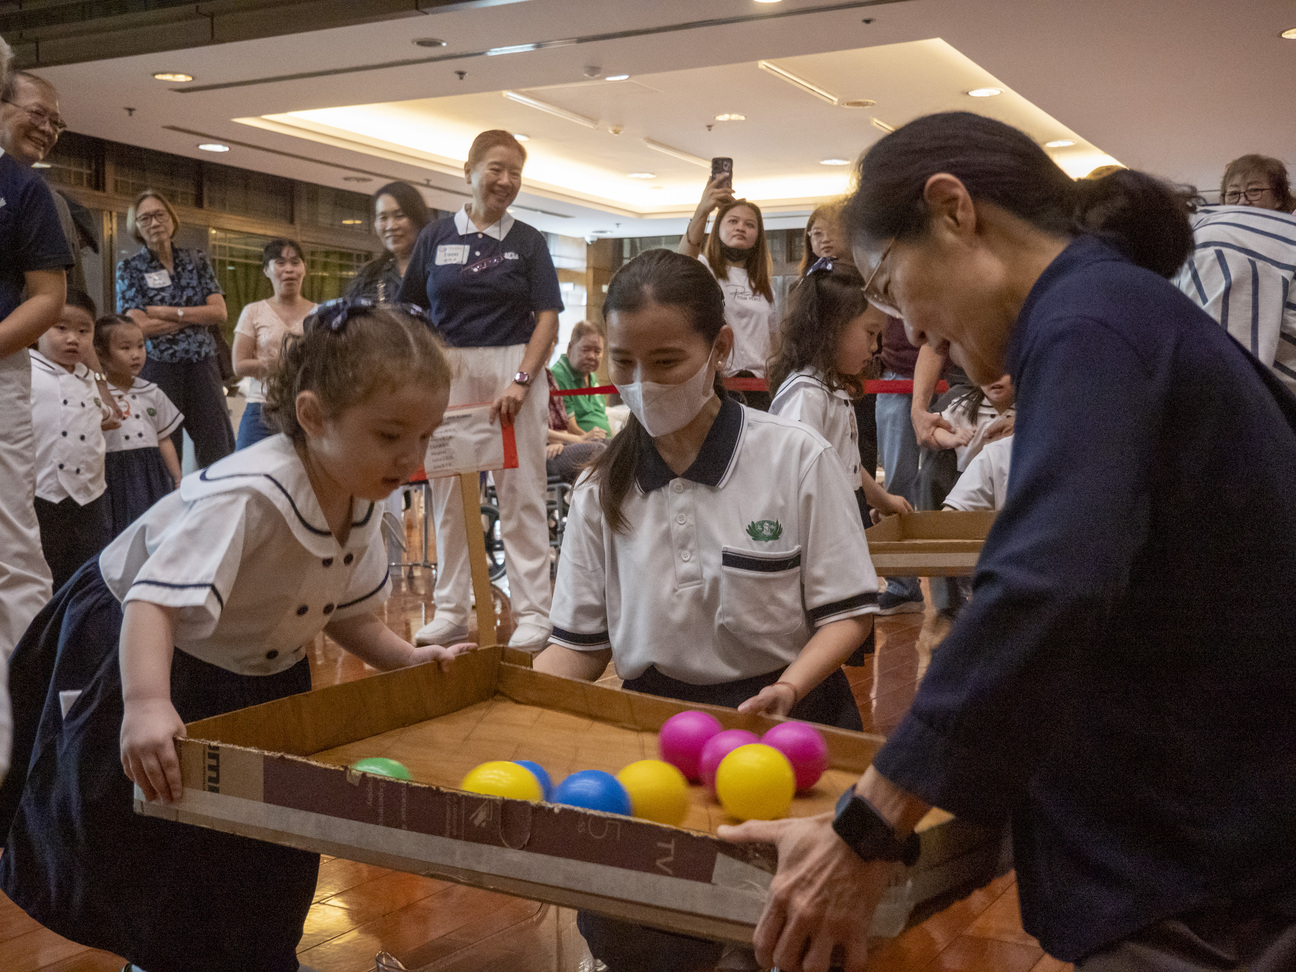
(441, 631)
(530, 636)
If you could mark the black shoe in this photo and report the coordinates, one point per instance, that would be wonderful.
(889, 604)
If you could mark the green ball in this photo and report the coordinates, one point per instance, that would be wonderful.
(382, 766)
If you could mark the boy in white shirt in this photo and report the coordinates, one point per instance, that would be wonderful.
(67, 420)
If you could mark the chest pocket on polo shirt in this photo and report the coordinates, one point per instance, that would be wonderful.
(760, 591)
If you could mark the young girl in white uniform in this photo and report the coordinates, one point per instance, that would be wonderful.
(714, 552)
(737, 254)
(140, 465)
(239, 570)
(825, 341)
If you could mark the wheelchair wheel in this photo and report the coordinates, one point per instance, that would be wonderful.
(494, 541)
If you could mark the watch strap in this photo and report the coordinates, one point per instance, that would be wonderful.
(868, 834)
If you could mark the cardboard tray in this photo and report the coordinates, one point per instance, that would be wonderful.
(943, 543)
(277, 772)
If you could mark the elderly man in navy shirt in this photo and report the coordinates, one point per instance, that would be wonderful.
(34, 256)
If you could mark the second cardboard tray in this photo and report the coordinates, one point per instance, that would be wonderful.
(942, 543)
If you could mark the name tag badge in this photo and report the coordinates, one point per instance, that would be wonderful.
(158, 279)
(450, 254)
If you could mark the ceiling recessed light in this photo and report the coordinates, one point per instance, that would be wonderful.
(40, 165)
(642, 175)
(769, 1)
(985, 92)
(178, 76)
(352, 222)
(213, 147)
(357, 178)
(429, 42)
(512, 49)
(617, 77)
(858, 103)
(1289, 34)
(834, 161)
(1060, 143)
(521, 138)
(731, 116)
(601, 233)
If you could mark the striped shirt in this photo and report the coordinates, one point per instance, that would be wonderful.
(1243, 272)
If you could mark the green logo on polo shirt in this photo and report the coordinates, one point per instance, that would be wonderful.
(765, 531)
(152, 412)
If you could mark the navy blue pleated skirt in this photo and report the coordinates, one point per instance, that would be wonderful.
(136, 478)
(170, 897)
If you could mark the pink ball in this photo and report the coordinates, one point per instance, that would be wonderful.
(682, 737)
(717, 748)
(804, 747)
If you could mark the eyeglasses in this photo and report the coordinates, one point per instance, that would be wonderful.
(1252, 195)
(333, 315)
(41, 118)
(148, 219)
(875, 296)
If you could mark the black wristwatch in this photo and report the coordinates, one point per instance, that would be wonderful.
(869, 835)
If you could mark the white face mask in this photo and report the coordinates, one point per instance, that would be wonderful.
(663, 409)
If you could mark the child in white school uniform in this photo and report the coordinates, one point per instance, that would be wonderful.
(976, 417)
(824, 343)
(983, 486)
(140, 465)
(239, 570)
(746, 523)
(68, 416)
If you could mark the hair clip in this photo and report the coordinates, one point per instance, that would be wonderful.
(333, 315)
(822, 265)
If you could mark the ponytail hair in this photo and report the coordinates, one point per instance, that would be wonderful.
(1143, 218)
(669, 279)
(823, 303)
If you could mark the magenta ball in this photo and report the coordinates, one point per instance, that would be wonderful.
(682, 737)
(717, 748)
(805, 749)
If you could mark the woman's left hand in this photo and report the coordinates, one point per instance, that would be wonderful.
(772, 700)
(553, 450)
(429, 653)
(507, 406)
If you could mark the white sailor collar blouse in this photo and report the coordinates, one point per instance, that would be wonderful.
(244, 553)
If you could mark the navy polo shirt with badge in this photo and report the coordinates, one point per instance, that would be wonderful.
(482, 288)
(31, 236)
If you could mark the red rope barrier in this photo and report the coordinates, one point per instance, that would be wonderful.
(895, 387)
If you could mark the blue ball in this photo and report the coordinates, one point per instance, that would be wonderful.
(539, 773)
(593, 790)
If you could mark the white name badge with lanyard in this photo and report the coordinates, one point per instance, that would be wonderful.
(467, 441)
(157, 279)
(451, 254)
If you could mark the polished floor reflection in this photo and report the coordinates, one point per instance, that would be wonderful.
(434, 925)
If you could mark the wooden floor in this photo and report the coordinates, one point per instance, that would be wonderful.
(429, 924)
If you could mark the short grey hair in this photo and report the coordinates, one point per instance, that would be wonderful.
(6, 61)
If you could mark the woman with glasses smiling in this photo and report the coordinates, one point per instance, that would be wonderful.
(173, 294)
(1257, 180)
(1123, 683)
(490, 286)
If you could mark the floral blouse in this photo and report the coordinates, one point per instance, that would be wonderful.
(142, 281)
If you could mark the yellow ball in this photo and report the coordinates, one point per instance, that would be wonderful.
(658, 791)
(755, 782)
(503, 779)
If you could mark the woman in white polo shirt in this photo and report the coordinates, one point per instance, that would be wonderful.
(738, 255)
(761, 583)
(714, 552)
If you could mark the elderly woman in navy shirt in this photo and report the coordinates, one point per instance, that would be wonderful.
(489, 284)
(173, 294)
(1123, 684)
